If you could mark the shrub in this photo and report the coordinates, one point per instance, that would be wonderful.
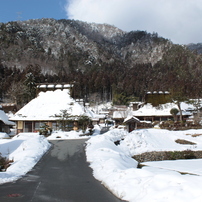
(83, 122)
(174, 155)
(180, 141)
(168, 155)
(174, 112)
(45, 130)
(155, 123)
(4, 163)
(188, 154)
(65, 120)
(178, 125)
(167, 124)
(196, 135)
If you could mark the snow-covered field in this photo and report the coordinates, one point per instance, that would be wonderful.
(113, 165)
(160, 181)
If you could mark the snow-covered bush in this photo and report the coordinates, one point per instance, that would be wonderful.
(45, 130)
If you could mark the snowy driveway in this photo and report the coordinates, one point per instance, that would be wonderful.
(61, 175)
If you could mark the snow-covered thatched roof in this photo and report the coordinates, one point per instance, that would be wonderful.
(161, 110)
(4, 118)
(50, 103)
(131, 119)
(122, 114)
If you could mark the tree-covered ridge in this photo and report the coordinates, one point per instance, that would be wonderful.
(103, 62)
(179, 72)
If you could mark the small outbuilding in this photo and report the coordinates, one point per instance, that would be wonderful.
(131, 123)
(5, 124)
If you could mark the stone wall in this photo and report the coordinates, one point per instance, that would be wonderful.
(167, 155)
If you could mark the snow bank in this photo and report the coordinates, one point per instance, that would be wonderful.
(66, 135)
(4, 135)
(25, 149)
(108, 161)
(140, 141)
(192, 166)
(74, 134)
(115, 168)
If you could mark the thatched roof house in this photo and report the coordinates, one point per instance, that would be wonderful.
(46, 108)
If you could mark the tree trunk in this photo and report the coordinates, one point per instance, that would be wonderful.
(180, 110)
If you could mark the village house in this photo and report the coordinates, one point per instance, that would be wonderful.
(131, 123)
(9, 107)
(51, 105)
(156, 107)
(160, 113)
(5, 124)
(119, 116)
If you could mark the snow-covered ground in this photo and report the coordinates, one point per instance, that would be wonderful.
(159, 181)
(25, 150)
(113, 165)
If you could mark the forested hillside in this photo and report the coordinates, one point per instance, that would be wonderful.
(195, 47)
(104, 62)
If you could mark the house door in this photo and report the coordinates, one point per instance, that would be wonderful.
(1, 126)
(28, 126)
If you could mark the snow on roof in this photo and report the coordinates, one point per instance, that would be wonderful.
(121, 114)
(4, 118)
(158, 92)
(50, 86)
(67, 85)
(185, 113)
(129, 118)
(55, 86)
(50, 103)
(42, 86)
(161, 110)
(58, 86)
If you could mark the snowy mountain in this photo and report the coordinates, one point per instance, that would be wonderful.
(102, 61)
(55, 44)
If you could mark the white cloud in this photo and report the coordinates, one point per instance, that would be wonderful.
(178, 20)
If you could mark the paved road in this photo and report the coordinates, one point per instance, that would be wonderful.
(62, 175)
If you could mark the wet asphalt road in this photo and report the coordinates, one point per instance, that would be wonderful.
(62, 175)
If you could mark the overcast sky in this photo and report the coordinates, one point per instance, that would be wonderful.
(177, 20)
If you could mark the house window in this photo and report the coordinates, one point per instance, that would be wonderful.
(28, 126)
(37, 126)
